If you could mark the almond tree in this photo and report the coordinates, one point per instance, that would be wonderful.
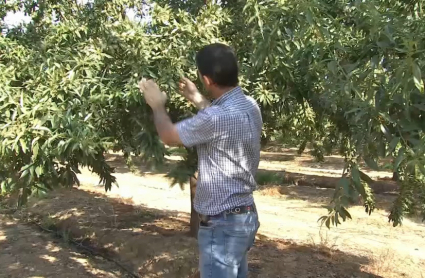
(68, 83)
(342, 75)
(351, 72)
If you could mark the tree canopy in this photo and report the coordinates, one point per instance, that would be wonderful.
(340, 75)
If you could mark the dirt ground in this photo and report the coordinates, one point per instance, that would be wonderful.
(29, 252)
(143, 226)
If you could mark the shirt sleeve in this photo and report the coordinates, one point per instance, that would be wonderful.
(197, 130)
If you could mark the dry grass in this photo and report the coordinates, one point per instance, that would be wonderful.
(275, 191)
(386, 262)
(326, 245)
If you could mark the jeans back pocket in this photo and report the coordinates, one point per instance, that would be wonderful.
(236, 244)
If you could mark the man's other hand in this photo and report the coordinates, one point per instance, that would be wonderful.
(190, 92)
(188, 89)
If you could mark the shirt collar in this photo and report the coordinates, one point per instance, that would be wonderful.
(227, 96)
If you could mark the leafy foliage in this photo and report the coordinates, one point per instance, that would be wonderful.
(332, 74)
(69, 93)
(354, 68)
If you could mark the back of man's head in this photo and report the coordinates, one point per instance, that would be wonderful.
(218, 62)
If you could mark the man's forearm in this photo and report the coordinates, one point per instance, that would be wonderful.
(162, 121)
(200, 101)
(165, 127)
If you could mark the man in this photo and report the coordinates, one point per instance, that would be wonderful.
(227, 135)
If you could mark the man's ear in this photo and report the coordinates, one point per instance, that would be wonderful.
(206, 80)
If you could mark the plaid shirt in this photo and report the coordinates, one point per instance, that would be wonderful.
(227, 136)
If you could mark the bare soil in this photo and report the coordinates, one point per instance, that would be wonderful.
(29, 252)
(143, 225)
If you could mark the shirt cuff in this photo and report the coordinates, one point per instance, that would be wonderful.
(183, 135)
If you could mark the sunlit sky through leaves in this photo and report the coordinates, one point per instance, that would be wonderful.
(14, 19)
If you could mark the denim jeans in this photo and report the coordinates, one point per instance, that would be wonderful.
(224, 243)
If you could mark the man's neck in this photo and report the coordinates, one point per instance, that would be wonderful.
(220, 91)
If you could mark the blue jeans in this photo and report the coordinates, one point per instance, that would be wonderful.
(224, 243)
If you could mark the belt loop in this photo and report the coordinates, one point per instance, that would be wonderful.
(225, 215)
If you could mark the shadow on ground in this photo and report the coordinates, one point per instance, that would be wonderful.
(279, 154)
(302, 179)
(382, 186)
(331, 162)
(117, 161)
(280, 157)
(26, 251)
(153, 243)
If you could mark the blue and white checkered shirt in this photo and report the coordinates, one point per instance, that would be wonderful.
(227, 136)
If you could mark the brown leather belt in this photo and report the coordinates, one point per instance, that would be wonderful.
(237, 210)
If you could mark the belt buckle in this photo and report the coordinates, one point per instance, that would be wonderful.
(238, 210)
(233, 210)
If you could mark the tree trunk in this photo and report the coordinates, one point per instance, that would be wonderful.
(395, 176)
(194, 218)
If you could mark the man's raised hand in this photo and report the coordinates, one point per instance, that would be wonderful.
(153, 95)
(188, 89)
(190, 92)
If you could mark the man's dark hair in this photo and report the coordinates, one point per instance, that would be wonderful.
(218, 62)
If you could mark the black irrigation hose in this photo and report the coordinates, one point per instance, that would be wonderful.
(92, 251)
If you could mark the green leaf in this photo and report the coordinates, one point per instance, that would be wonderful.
(387, 118)
(39, 170)
(328, 223)
(355, 175)
(309, 17)
(88, 117)
(346, 213)
(42, 128)
(371, 163)
(24, 173)
(393, 144)
(399, 159)
(383, 44)
(422, 169)
(342, 214)
(420, 106)
(322, 219)
(386, 132)
(365, 177)
(332, 66)
(337, 222)
(35, 149)
(417, 77)
(23, 145)
(344, 183)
